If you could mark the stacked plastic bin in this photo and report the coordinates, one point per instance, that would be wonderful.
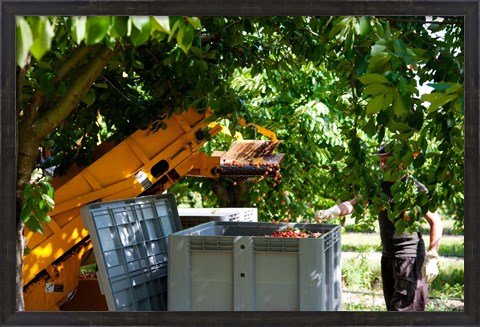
(191, 217)
(130, 241)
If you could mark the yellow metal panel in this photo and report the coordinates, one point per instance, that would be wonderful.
(93, 196)
(202, 165)
(92, 181)
(53, 248)
(110, 177)
(137, 150)
(66, 276)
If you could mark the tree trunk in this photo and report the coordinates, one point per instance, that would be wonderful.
(35, 126)
(19, 248)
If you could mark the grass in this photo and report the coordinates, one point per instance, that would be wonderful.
(361, 273)
(349, 226)
(450, 246)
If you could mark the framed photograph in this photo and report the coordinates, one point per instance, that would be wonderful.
(11, 9)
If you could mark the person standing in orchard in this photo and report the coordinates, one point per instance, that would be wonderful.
(406, 268)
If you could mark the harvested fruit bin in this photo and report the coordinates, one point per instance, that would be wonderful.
(240, 266)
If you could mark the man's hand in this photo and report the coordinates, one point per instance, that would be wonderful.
(330, 213)
(430, 266)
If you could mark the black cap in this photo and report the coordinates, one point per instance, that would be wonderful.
(382, 151)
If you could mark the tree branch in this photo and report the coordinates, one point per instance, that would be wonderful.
(34, 128)
(65, 67)
(20, 82)
(215, 37)
(55, 115)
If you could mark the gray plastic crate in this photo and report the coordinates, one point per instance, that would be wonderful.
(130, 242)
(191, 217)
(235, 266)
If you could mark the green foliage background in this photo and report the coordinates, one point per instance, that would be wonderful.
(332, 88)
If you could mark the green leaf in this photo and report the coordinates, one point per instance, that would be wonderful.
(26, 212)
(79, 27)
(387, 32)
(349, 45)
(383, 118)
(185, 37)
(419, 161)
(437, 100)
(140, 21)
(161, 23)
(43, 33)
(375, 104)
(399, 127)
(28, 191)
(373, 78)
(454, 89)
(47, 188)
(138, 64)
(339, 25)
(119, 26)
(448, 88)
(34, 226)
(195, 22)
(378, 49)
(370, 129)
(203, 65)
(101, 85)
(386, 175)
(197, 52)
(381, 133)
(168, 61)
(50, 204)
(365, 27)
(440, 86)
(387, 101)
(400, 48)
(211, 55)
(398, 106)
(47, 83)
(43, 217)
(379, 62)
(141, 29)
(44, 65)
(178, 23)
(40, 214)
(90, 97)
(96, 29)
(24, 41)
(37, 174)
(376, 89)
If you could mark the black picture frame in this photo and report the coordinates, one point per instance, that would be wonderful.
(469, 9)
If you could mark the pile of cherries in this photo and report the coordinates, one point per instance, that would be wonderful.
(295, 233)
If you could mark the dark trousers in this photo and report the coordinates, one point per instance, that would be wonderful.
(404, 288)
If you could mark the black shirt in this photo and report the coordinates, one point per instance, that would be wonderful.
(394, 244)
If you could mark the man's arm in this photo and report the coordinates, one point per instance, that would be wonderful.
(436, 230)
(341, 209)
(430, 266)
(346, 207)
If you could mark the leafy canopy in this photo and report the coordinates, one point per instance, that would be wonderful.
(332, 88)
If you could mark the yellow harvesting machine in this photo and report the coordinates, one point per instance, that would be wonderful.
(144, 163)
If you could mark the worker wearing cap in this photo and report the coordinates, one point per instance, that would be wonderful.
(406, 268)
